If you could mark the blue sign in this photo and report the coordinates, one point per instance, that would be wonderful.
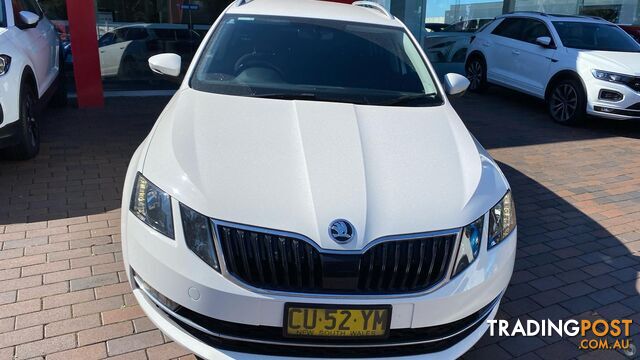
(192, 7)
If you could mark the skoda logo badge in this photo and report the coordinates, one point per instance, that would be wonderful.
(341, 231)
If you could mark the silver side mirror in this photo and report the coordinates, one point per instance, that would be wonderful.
(544, 41)
(455, 84)
(29, 18)
(166, 64)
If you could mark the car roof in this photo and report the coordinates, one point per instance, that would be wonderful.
(313, 9)
(555, 17)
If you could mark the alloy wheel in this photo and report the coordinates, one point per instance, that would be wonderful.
(30, 119)
(475, 73)
(564, 102)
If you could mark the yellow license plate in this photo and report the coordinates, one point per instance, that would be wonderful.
(337, 321)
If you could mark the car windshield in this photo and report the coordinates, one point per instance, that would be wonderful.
(595, 36)
(311, 59)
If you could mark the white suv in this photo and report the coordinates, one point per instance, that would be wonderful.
(30, 75)
(579, 65)
(310, 191)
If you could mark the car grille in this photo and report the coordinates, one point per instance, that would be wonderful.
(635, 84)
(284, 263)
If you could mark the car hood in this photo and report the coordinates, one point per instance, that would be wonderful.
(298, 165)
(615, 61)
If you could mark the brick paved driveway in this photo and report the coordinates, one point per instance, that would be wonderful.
(63, 293)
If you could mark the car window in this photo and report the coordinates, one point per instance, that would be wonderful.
(594, 36)
(484, 25)
(325, 60)
(457, 27)
(165, 34)
(533, 29)
(136, 33)
(106, 39)
(120, 35)
(510, 28)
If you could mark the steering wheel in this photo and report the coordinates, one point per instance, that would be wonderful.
(255, 60)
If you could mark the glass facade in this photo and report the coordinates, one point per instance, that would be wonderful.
(451, 23)
(129, 32)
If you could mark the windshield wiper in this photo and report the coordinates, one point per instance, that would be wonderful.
(406, 99)
(286, 96)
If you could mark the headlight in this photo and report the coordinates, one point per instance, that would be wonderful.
(469, 248)
(611, 77)
(5, 63)
(152, 205)
(502, 220)
(198, 234)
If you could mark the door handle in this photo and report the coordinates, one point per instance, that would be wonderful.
(515, 52)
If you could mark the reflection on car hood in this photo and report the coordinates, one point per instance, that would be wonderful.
(298, 165)
(615, 61)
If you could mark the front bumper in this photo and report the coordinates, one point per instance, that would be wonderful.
(9, 133)
(626, 109)
(177, 273)
(202, 343)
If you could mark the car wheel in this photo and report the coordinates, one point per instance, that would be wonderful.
(567, 102)
(476, 72)
(29, 135)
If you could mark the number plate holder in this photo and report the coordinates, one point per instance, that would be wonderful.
(336, 321)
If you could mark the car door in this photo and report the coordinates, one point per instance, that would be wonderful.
(531, 61)
(504, 44)
(111, 54)
(105, 40)
(36, 43)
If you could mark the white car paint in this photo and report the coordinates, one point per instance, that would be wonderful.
(34, 49)
(296, 166)
(530, 68)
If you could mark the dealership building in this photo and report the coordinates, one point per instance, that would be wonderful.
(106, 53)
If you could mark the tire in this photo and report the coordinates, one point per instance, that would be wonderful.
(567, 102)
(59, 98)
(476, 72)
(29, 135)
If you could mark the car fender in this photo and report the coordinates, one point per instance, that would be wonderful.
(562, 73)
(11, 82)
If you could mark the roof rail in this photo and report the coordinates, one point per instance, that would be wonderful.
(373, 5)
(581, 17)
(527, 12)
(242, 2)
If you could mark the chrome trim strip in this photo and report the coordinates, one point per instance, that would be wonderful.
(227, 275)
(301, 237)
(483, 316)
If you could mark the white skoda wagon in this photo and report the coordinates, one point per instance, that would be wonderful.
(310, 192)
